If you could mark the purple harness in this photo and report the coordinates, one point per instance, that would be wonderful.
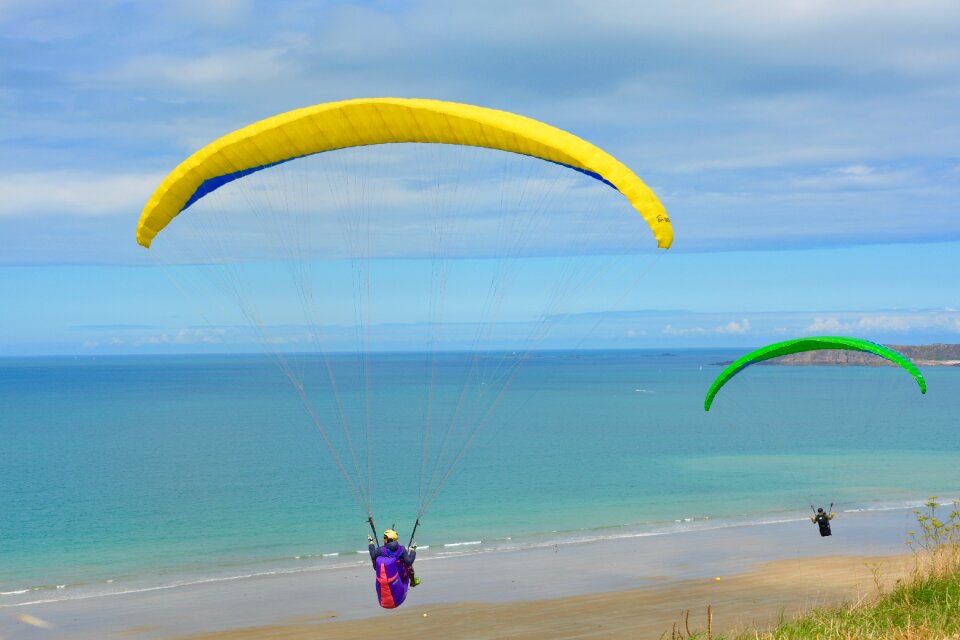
(393, 578)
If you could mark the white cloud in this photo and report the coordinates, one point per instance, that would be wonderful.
(879, 322)
(858, 177)
(289, 339)
(855, 170)
(74, 193)
(242, 67)
(670, 330)
(827, 325)
(733, 327)
(180, 337)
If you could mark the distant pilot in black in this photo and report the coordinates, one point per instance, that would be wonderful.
(822, 520)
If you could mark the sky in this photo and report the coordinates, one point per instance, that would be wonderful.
(808, 152)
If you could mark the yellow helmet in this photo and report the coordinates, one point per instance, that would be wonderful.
(390, 535)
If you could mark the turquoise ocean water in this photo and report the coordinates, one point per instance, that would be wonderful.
(128, 473)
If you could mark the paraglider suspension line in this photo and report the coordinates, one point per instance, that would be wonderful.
(829, 510)
(414, 532)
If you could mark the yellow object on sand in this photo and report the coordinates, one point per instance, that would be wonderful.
(371, 121)
(34, 621)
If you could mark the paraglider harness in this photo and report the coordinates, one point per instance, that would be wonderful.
(393, 568)
(823, 520)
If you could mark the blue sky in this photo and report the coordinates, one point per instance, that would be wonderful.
(808, 152)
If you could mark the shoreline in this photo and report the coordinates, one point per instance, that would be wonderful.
(593, 570)
(321, 563)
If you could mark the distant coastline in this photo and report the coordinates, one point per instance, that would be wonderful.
(923, 355)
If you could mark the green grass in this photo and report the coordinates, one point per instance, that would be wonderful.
(926, 605)
(923, 607)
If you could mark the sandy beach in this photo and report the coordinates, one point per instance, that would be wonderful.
(627, 587)
(757, 597)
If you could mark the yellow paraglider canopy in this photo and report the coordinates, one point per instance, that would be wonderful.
(370, 121)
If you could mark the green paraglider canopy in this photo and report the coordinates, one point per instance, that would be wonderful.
(811, 344)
